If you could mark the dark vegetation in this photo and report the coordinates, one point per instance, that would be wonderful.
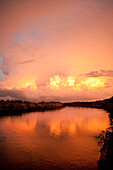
(105, 138)
(16, 107)
(106, 104)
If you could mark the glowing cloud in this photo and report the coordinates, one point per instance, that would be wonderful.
(94, 82)
(57, 82)
(70, 81)
(24, 84)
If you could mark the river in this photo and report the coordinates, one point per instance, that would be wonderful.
(59, 139)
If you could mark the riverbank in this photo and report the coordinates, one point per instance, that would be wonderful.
(105, 161)
(106, 104)
(18, 106)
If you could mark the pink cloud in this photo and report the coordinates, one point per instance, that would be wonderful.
(40, 39)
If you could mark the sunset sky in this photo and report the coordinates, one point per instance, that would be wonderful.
(56, 50)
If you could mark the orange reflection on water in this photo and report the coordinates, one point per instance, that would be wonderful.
(20, 125)
(66, 120)
(57, 127)
(72, 122)
(64, 135)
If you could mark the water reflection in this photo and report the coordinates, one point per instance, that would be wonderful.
(60, 139)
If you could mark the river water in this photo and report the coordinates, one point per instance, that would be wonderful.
(60, 139)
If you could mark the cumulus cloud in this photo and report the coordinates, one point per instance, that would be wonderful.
(57, 88)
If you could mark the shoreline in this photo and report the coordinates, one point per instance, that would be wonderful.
(18, 106)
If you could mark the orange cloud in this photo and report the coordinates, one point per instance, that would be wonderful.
(91, 82)
(45, 45)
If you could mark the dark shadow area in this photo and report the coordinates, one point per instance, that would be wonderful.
(105, 139)
(106, 104)
(19, 107)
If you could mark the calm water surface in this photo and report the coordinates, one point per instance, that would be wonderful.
(61, 139)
